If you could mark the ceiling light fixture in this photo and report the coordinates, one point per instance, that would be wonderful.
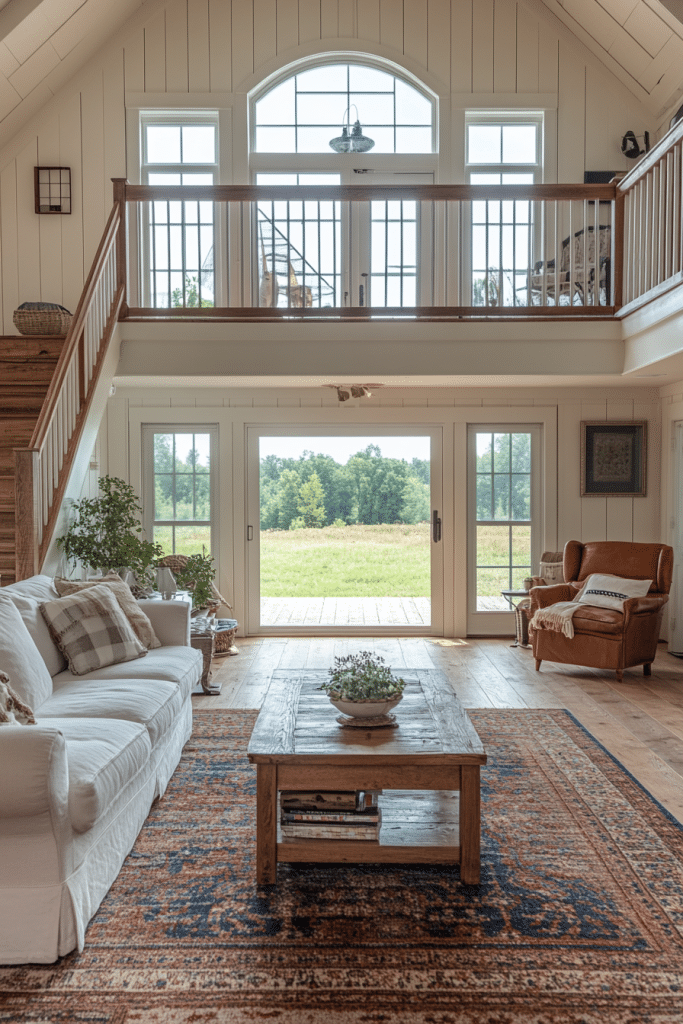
(347, 391)
(356, 142)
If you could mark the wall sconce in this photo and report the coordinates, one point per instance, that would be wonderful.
(52, 187)
(630, 146)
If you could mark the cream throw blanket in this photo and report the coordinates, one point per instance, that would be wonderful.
(557, 616)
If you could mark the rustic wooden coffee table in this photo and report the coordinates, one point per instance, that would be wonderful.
(428, 769)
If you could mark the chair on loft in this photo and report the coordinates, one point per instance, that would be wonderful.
(576, 274)
(281, 268)
(616, 634)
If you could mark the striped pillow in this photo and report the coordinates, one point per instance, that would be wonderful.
(91, 630)
(603, 591)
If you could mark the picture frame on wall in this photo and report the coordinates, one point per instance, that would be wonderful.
(614, 458)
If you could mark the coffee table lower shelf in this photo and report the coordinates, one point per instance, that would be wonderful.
(417, 828)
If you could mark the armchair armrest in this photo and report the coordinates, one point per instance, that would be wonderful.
(541, 597)
(648, 605)
(170, 621)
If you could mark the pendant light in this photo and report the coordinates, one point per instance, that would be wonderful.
(356, 142)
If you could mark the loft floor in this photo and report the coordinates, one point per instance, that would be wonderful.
(640, 721)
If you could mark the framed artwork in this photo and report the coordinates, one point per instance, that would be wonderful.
(613, 457)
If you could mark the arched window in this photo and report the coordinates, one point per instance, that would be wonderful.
(305, 111)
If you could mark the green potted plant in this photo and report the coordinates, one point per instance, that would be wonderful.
(362, 686)
(196, 575)
(105, 533)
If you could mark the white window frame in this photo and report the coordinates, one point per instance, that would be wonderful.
(173, 110)
(148, 490)
(498, 623)
(357, 169)
(319, 161)
(536, 169)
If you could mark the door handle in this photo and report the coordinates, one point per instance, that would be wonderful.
(436, 526)
(250, 533)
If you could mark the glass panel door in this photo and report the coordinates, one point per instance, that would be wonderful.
(503, 466)
(340, 532)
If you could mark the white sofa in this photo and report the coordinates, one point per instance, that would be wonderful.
(76, 787)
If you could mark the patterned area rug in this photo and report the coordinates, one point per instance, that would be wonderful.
(578, 919)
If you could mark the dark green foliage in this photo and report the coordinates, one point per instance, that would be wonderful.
(105, 533)
(197, 576)
(369, 490)
(363, 676)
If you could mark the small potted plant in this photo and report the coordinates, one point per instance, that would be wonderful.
(362, 686)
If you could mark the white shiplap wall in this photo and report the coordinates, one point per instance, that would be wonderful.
(570, 517)
(202, 46)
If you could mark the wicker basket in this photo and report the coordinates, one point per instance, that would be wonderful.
(55, 321)
(224, 637)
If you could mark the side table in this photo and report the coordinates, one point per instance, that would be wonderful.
(520, 601)
(203, 638)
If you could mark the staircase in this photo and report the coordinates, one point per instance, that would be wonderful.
(53, 394)
(27, 365)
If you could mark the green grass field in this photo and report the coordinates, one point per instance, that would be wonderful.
(365, 561)
(349, 561)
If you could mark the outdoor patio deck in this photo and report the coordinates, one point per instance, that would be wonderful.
(345, 611)
(356, 611)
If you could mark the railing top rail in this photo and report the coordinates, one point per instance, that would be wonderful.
(652, 158)
(71, 342)
(363, 193)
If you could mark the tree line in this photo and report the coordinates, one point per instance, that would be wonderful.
(315, 490)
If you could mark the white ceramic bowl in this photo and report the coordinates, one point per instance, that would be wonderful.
(365, 708)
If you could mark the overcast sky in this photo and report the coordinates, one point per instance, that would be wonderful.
(342, 448)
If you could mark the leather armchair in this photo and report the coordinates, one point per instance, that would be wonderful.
(604, 637)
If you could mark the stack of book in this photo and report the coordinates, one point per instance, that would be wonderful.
(311, 814)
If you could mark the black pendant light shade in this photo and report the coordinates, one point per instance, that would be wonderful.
(356, 142)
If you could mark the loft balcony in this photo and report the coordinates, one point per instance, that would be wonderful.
(426, 253)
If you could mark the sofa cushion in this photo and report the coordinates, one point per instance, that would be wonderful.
(179, 665)
(140, 624)
(91, 630)
(20, 658)
(103, 757)
(13, 711)
(27, 596)
(156, 704)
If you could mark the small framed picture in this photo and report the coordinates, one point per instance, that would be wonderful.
(613, 458)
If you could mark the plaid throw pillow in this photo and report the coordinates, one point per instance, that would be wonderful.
(91, 630)
(142, 627)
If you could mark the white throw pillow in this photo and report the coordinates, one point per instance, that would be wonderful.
(20, 658)
(91, 630)
(604, 591)
(13, 711)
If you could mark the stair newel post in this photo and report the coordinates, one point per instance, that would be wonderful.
(28, 528)
(120, 185)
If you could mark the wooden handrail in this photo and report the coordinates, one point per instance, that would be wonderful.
(42, 470)
(364, 193)
(72, 338)
(651, 159)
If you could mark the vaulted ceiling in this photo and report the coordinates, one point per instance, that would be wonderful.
(44, 42)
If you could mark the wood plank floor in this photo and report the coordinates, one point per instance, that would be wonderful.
(640, 721)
